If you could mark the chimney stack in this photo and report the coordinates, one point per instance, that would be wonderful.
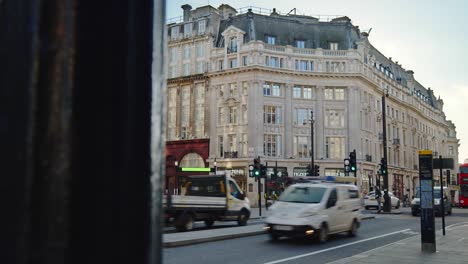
(187, 8)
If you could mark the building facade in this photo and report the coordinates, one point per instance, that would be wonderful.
(251, 83)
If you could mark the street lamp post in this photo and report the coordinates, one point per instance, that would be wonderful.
(387, 202)
(312, 139)
(176, 163)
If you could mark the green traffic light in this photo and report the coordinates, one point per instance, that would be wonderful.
(256, 173)
(353, 168)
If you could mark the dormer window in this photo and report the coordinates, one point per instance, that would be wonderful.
(300, 44)
(333, 45)
(188, 30)
(233, 44)
(174, 32)
(201, 27)
(271, 40)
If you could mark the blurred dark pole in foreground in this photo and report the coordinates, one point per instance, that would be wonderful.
(75, 131)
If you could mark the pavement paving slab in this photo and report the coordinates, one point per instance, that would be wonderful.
(450, 249)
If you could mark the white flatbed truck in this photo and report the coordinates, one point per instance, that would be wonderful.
(207, 198)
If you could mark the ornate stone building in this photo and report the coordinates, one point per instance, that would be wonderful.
(248, 81)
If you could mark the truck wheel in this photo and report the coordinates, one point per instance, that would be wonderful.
(188, 223)
(243, 218)
(209, 222)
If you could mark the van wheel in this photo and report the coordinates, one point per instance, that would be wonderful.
(274, 237)
(323, 234)
(209, 222)
(188, 223)
(243, 218)
(397, 205)
(353, 231)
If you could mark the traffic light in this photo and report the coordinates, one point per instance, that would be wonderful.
(263, 170)
(274, 175)
(347, 167)
(310, 171)
(352, 161)
(383, 167)
(316, 170)
(256, 170)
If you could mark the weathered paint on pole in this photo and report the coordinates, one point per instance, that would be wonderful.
(158, 139)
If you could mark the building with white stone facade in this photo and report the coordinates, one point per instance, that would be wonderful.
(247, 81)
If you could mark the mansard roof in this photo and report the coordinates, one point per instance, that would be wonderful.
(288, 29)
(316, 34)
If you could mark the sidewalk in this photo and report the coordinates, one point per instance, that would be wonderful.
(255, 213)
(451, 249)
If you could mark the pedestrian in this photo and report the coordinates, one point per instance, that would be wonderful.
(378, 197)
(406, 200)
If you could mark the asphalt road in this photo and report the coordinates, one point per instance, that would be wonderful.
(382, 230)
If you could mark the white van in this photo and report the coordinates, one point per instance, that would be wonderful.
(316, 210)
(415, 203)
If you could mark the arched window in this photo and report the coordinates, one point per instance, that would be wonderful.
(192, 160)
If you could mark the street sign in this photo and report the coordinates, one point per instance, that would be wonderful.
(447, 163)
(426, 183)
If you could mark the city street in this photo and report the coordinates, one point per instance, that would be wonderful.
(374, 233)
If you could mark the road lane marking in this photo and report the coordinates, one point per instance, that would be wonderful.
(337, 247)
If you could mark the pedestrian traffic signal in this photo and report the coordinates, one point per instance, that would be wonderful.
(251, 170)
(352, 161)
(347, 167)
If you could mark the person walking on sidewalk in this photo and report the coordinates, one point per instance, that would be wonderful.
(378, 197)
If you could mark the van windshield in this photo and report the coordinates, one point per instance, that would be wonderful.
(300, 194)
(436, 194)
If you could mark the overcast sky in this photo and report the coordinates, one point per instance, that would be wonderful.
(427, 36)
